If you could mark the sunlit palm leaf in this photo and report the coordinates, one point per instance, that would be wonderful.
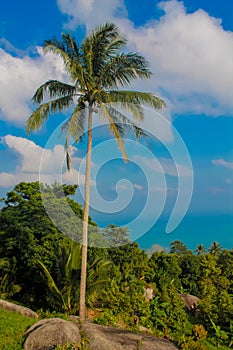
(115, 129)
(116, 110)
(100, 45)
(127, 125)
(53, 88)
(74, 128)
(136, 97)
(41, 114)
(122, 69)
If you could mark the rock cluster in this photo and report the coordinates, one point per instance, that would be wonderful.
(48, 333)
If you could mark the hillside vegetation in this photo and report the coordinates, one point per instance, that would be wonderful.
(40, 268)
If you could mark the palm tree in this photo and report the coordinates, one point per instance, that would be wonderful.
(96, 69)
(215, 249)
(64, 286)
(200, 249)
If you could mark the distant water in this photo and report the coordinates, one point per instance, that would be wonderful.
(193, 230)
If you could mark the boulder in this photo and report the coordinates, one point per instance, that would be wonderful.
(47, 334)
(191, 301)
(109, 338)
(18, 308)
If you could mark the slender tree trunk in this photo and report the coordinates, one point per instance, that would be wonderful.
(85, 219)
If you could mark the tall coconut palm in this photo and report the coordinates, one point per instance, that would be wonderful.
(97, 69)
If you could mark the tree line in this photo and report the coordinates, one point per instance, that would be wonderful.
(41, 268)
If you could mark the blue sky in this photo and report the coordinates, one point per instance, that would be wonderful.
(189, 46)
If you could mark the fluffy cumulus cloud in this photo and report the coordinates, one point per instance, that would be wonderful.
(39, 164)
(190, 53)
(20, 76)
(91, 13)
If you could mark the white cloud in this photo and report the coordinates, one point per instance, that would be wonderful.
(91, 12)
(73, 176)
(20, 77)
(37, 163)
(190, 53)
(191, 56)
(222, 162)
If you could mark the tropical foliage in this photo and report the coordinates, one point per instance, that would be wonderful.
(40, 268)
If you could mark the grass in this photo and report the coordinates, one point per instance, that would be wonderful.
(12, 328)
(14, 325)
(210, 346)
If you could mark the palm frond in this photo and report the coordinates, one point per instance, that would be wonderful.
(41, 114)
(4, 262)
(99, 263)
(68, 50)
(76, 253)
(51, 283)
(135, 110)
(136, 97)
(53, 88)
(121, 69)
(117, 43)
(125, 124)
(76, 68)
(97, 276)
(98, 47)
(115, 129)
(71, 47)
(58, 48)
(102, 39)
(74, 128)
(75, 125)
(73, 264)
(68, 158)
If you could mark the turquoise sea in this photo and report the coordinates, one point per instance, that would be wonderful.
(192, 231)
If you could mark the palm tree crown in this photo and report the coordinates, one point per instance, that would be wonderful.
(96, 70)
(215, 249)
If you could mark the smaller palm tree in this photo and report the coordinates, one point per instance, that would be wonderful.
(215, 249)
(64, 286)
(200, 249)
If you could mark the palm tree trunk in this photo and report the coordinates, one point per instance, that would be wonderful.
(85, 219)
